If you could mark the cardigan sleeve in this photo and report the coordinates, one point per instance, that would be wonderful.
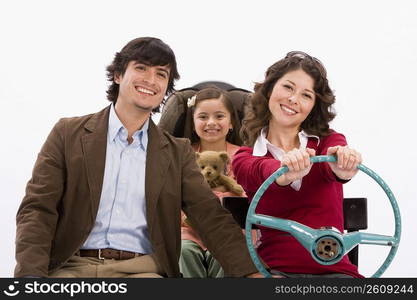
(251, 171)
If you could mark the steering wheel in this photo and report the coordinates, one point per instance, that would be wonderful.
(326, 245)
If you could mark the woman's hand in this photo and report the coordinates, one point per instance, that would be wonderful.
(347, 162)
(298, 163)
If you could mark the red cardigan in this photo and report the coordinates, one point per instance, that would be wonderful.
(318, 203)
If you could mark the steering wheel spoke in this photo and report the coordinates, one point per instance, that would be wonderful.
(279, 224)
(353, 239)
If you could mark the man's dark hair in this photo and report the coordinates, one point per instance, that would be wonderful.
(147, 50)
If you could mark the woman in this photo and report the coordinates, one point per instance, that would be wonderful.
(286, 124)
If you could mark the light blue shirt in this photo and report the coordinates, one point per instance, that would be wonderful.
(121, 218)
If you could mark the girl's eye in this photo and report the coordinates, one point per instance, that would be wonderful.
(288, 87)
(308, 96)
(140, 67)
(163, 75)
(202, 117)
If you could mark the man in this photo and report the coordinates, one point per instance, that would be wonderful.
(107, 189)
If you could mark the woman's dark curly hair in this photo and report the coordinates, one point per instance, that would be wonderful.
(317, 122)
(147, 50)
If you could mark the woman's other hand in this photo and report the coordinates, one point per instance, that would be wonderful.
(347, 162)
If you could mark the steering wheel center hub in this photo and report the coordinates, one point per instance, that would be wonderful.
(327, 248)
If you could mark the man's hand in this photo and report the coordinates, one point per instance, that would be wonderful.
(255, 275)
(259, 275)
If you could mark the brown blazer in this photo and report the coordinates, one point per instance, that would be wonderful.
(62, 198)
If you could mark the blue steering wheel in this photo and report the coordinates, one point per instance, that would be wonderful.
(326, 245)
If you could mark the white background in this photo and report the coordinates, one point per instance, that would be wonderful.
(53, 56)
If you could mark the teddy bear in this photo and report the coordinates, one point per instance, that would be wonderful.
(213, 165)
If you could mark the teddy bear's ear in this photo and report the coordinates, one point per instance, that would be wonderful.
(224, 156)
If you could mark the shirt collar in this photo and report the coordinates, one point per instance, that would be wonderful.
(143, 135)
(262, 145)
(116, 128)
(303, 136)
(114, 124)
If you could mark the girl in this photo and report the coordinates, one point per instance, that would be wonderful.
(213, 123)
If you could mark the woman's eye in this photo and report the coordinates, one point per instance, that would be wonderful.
(288, 87)
(308, 96)
(163, 75)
